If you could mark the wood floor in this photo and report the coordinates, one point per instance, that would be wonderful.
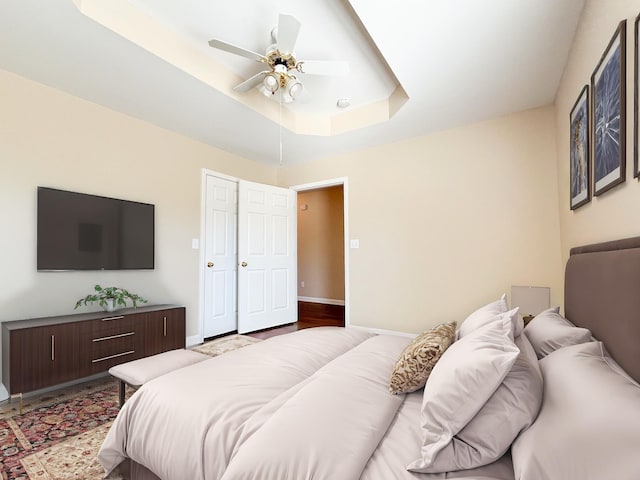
(309, 315)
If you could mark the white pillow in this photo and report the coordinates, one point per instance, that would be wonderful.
(555, 309)
(484, 315)
(550, 331)
(461, 382)
(589, 425)
(510, 410)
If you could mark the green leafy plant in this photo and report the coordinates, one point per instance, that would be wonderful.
(110, 295)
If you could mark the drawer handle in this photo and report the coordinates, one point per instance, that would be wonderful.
(53, 347)
(165, 326)
(111, 318)
(112, 356)
(113, 336)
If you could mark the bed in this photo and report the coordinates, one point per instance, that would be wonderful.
(316, 403)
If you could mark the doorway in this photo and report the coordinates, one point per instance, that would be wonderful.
(322, 254)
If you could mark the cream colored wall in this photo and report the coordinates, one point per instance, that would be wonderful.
(321, 243)
(52, 139)
(448, 221)
(615, 214)
(445, 221)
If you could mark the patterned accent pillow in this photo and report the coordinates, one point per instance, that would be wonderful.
(416, 361)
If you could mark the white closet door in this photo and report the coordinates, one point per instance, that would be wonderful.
(220, 279)
(267, 256)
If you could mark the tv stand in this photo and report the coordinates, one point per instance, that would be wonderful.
(43, 352)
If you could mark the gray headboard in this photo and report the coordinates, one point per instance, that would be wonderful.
(602, 293)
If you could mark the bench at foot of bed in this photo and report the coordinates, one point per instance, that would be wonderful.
(138, 372)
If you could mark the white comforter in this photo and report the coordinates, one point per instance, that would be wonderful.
(309, 405)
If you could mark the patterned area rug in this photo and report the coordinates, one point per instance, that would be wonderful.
(225, 344)
(59, 434)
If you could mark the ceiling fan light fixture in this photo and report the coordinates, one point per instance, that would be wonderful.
(271, 84)
(294, 88)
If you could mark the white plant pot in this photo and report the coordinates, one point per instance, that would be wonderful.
(111, 305)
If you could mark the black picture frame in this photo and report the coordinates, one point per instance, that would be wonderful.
(608, 114)
(579, 171)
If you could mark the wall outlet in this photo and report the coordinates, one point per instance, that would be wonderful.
(302, 284)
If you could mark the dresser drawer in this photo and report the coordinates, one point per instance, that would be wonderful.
(116, 345)
(107, 351)
(109, 326)
(105, 363)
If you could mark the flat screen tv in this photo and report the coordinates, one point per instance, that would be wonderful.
(77, 231)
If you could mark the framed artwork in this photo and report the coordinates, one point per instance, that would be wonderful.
(636, 166)
(580, 192)
(608, 83)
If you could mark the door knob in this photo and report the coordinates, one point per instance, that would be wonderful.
(210, 264)
(244, 264)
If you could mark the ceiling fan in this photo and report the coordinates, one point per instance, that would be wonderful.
(280, 80)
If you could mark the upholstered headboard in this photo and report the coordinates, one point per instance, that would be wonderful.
(602, 293)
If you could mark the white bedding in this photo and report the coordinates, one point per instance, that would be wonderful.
(312, 404)
(401, 445)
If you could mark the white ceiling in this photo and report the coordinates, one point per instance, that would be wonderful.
(327, 33)
(458, 61)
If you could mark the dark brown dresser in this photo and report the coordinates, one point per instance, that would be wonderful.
(42, 352)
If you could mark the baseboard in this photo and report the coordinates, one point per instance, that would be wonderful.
(4, 394)
(193, 340)
(379, 331)
(326, 301)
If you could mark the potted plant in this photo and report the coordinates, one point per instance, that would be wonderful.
(110, 298)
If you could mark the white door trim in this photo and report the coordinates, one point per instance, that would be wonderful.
(199, 338)
(344, 181)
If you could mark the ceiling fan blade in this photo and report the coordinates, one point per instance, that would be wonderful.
(249, 83)
(243, 52)
(288, 29)
(320, 67)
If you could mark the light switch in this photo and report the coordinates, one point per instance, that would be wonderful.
(195, 243)
(355, 243)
